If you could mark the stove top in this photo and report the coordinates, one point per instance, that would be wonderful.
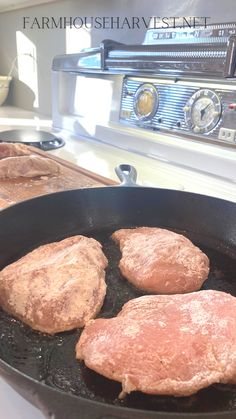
(40, 139)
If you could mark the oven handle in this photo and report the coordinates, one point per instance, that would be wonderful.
(127, 175)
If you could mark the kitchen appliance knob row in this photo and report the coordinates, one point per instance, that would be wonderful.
(193, 108)
(202, 111)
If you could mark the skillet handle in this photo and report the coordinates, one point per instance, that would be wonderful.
(127, 175)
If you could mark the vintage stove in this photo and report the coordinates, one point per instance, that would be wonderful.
(168, 106)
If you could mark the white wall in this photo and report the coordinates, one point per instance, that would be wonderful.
(50, 42)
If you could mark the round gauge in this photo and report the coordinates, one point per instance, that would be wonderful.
(202, 111)
(145, 102)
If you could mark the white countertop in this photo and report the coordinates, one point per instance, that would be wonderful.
(12, 117)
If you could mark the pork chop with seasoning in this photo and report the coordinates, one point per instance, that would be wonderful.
(161, 261)
(168, 345)
(5, 203)
(13, 150)
(27, 167)
(56, 287)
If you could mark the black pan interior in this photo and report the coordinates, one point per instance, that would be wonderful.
(52, 359)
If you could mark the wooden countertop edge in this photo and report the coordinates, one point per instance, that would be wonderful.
(85, 172)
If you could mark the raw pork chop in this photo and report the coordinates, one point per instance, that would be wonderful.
(57, 287)
(161, 261)
(12, 150)
(169, 345)
(27, 166)
(4, 203)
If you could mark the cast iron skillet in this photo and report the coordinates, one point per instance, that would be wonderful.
(43, 368)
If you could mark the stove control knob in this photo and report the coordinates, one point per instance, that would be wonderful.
(146, 102)
(203, 111)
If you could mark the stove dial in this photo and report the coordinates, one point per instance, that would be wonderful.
(146, 102)
(203, 111)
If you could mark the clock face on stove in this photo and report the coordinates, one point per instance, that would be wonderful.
(146, 102)
(203, 111)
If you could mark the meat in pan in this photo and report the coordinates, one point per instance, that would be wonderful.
(5, 203)
(27, 166)
(56, 287)
(168, 345)
(161, 261)
(13, 150)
